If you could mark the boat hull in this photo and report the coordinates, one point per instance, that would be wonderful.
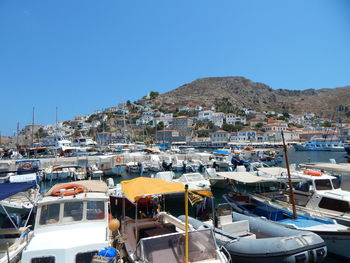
(337, 243)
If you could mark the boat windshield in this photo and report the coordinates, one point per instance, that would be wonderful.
(72, 211)
(172, 247)
(50, 214)
(95, 210)
(323, 184)
(191, 178)
(336, 183)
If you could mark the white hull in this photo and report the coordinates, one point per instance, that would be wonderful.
(337, 244)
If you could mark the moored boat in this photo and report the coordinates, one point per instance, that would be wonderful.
(71, 224)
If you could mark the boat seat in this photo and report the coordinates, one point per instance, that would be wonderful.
(237, 228)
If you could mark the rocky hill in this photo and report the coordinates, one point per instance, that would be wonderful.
(244, 93)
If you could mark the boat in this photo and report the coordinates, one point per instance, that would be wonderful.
(26, 171)
(347, 147)
(216, 181)
(319, 194)
(160, 237)
(15, 232)
(75, 172)
(71, 224)
(340, 170)
(252, 240)
(196, 182)
(84, 142)
(321, 144)
(336, 236)
(23, 199)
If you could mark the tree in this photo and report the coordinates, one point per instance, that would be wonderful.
(160, 125)
(153, 94)
(326, 124)
(203, 133)
(259, 125)
(211, 125)
(41, 133)
(232, 128)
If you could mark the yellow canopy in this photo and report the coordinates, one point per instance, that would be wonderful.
(144, 186)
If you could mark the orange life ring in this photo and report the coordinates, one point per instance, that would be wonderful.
(313, 172)
(118, 159)
(27, 166)
(71, 189)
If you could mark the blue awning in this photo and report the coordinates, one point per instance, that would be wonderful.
(9, 189)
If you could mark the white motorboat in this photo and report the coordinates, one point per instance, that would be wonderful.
(71, 224)
(195, 181)
(27, 170)
(320, 194)
(215, 180)
(321, 144)
(13, 237)
(75, 172)
(23, 198)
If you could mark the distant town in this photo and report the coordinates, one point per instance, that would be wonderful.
(197, 126)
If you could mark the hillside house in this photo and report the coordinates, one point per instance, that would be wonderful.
(205, 115)
(220, 137)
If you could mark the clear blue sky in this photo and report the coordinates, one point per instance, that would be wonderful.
(84, 55)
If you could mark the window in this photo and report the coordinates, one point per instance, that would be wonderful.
(43, 260)
(334, 204)
(50, 214)
(336, 183)
(73, 211)
(324, 184)
(95, 210)
(85, 257)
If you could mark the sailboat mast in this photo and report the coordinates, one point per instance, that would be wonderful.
(291, 192)
(33, 128)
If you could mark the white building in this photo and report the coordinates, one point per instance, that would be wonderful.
(144, 120)
(220, 137)
(235, 119)
(205, 115)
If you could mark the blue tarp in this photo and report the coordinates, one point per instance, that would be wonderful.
(9, 189)
(221, 152)
(27, 161)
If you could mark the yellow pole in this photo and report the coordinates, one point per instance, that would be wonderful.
(186, 223)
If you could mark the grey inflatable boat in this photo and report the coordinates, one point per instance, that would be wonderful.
(253, 239)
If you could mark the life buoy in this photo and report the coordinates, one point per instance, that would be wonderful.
(71, 189)
(27, 166)
(313, 172)
(118, 159)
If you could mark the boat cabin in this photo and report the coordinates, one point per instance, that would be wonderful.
(70, 228)
(322, 191)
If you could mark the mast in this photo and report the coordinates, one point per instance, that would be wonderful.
(291, 192)
(33, 128)
(17, 133)
(186, 223)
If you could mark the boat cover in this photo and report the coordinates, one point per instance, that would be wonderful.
(245, 177)
(274, 171)
(334, 167)
(90, 186)
(9, 189)
(144, 186)
(221, 152)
